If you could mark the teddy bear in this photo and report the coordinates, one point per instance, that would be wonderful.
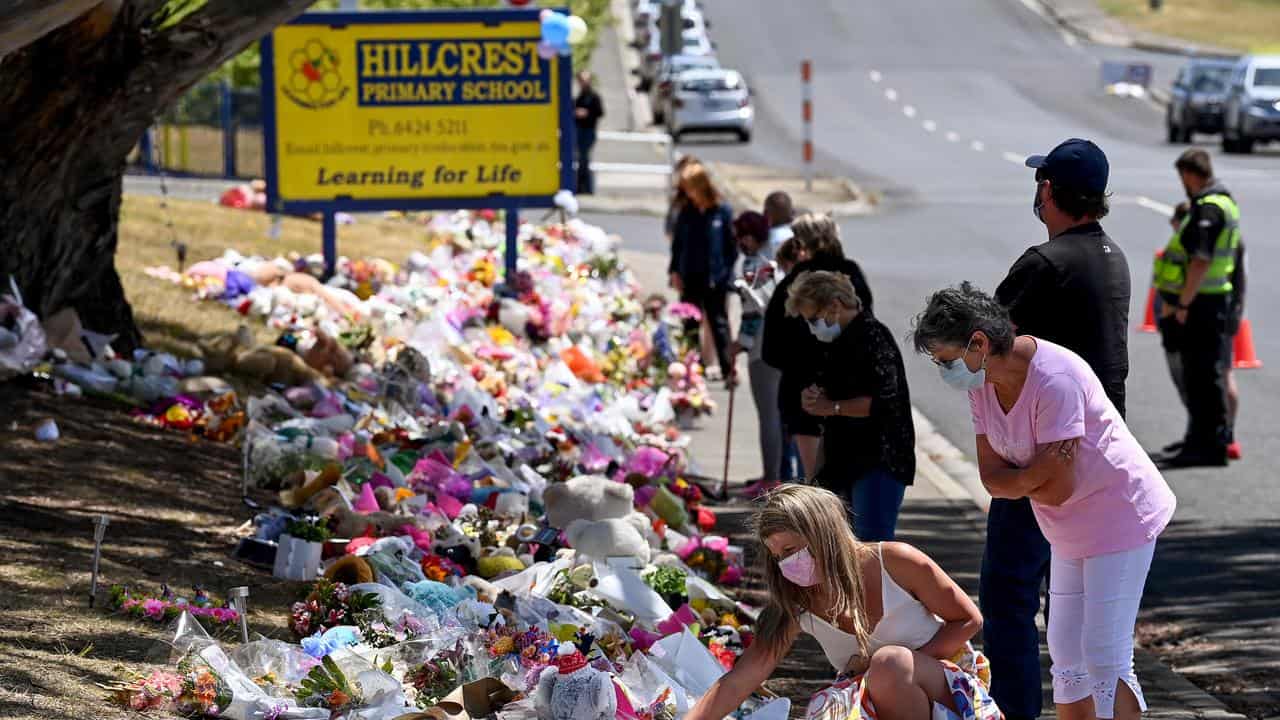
(571, 689)
(237, 352)
(614, 537)
(587, 497)
(455, 545)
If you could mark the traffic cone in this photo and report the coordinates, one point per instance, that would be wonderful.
(1149, 322)
(1246, 358)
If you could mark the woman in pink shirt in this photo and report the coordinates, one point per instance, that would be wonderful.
(1046, 430)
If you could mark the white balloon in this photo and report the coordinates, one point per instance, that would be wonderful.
(577, 29)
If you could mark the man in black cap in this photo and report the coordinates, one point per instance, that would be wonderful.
(1074, 291)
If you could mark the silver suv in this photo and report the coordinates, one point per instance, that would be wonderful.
(1252, 110)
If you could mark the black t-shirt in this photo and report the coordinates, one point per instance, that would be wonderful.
(865, 361)
(1074, 291)
(590, 100)
(1204, 224)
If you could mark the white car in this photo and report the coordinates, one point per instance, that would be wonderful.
(711, 101)
(669, 70)
(1251, 113)
(695, 43)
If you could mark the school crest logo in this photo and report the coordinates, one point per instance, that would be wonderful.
(314, 77)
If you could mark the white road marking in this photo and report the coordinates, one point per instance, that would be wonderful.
(875, 76)
(1154, 205)
(909, 110)
(930, 126)
(1069, 39)
(978, 146)
(1014, 158)
(891, 95)
(953, 136)
(1034, 7)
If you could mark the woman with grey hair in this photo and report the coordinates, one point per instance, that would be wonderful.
(1047, 431)
(859, 395)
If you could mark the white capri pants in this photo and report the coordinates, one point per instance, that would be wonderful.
(1093, 609)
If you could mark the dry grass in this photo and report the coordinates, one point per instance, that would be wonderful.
(198, 149)
(1245, 25)
(169, 319)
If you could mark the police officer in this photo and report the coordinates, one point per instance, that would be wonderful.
(1194, 278)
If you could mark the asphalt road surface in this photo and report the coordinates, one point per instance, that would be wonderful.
(935, 104)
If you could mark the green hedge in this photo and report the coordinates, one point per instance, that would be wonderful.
(242, 70)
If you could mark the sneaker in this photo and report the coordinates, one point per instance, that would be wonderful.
(713, 373)
(1190, 459)
(1233, 451)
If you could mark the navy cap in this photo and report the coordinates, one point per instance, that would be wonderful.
(1076, 164)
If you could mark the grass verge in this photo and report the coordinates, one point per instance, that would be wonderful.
(1245, 25)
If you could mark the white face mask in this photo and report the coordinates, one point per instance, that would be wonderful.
(958, 375)
(825, 330)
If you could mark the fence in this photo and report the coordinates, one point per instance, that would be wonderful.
(213, 131)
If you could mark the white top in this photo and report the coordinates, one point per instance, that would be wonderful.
(906, 622)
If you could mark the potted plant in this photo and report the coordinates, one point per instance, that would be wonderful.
(299, 550)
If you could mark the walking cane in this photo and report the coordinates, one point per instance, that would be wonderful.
(728, 439)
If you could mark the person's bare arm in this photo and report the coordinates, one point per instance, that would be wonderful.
(1044, 480)
(919, 575)
(1056, 465)
(752, 669)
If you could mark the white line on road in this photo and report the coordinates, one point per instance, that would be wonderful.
(1014, 158)
(953, 136)
(1034, 7)
(1068, 38)
(930, 126)
(909, 110)
(1154, 205)
(977, 146)
(891, 95)
(875, 76)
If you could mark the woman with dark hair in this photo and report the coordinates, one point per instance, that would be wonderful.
(703, 253)
(790, 345)
(894, 626)
(1047, 431)
(755, 280)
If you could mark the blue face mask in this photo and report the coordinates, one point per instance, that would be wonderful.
(1037, 205)
(958, 375)
(825, 330)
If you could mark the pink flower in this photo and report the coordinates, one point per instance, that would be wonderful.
(154, 609)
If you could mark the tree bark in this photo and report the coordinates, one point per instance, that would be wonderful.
(73, 103)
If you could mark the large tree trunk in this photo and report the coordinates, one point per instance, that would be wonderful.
(73, 103)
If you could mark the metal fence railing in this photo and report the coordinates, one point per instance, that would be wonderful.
(213, 131)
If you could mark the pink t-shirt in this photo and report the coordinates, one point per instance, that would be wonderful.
(1120, 500)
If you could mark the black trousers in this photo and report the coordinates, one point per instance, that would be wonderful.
(713, 302)
(1204, 346)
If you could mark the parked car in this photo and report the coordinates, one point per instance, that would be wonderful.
(710, 100)
(1197, 98)
(669, 70)
(695, 43)
(645, 14)
(1252, 109)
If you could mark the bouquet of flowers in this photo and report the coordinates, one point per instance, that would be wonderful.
(168, 606)
(329, 604)
(326, 686)
(436, 678)
(195, 690)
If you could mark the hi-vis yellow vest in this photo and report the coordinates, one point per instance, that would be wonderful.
(1171, 268)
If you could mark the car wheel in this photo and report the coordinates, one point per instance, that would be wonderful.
(744, 136)
(1172, 132)
(1245, 145)
(1185, 136)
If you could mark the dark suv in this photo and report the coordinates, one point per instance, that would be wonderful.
(1197, 100)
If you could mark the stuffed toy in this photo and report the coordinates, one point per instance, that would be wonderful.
(601, 539)
(325, 355)
(351, 524)
(392, 558)
(457, 546)
(237, 352)
(587, 497)
(570, 689)
(437, 596)
(350, 570)
(298, 496)
(500, 562)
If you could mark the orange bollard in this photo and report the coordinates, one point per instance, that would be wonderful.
(1245, 357)
(1149, 322)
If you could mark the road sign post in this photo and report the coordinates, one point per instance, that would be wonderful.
(806, 77)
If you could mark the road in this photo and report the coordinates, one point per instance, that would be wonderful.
(934, 104)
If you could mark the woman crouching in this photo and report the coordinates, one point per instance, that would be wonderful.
(894, 626)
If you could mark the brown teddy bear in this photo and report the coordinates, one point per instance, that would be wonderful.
(236, 352)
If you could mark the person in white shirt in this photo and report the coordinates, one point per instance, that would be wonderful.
(779, 212)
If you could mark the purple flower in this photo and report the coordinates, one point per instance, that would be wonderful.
(154, 609)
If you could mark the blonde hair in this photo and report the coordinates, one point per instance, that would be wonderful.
(818, 516)
(819, 235)
(818, 289)
(697, 182)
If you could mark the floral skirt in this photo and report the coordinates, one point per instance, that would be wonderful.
(968, 677)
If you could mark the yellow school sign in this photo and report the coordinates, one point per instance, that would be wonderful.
(405, 110)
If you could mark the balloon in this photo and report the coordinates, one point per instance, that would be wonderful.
(577, 29)
(555, 29)
(545, 51)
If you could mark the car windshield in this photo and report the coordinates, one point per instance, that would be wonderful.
(711, 84)
(1208, 80)
(1266, 77)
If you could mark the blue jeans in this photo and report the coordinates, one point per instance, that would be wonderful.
(876, 497)
(1015, 564)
